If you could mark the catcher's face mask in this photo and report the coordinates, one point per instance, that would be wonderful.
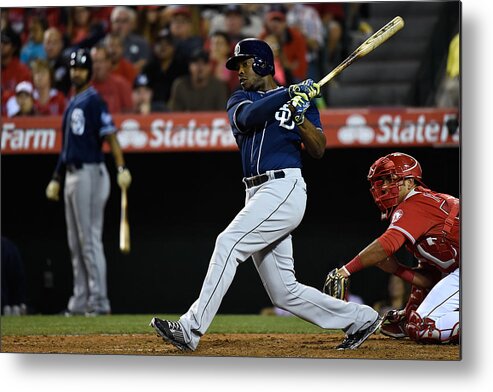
(385, 191)
(386, 177)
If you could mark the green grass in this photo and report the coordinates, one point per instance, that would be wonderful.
(137, 324)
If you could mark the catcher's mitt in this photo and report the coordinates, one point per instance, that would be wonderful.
(336, 285)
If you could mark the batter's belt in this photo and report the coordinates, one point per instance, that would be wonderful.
(260, 179)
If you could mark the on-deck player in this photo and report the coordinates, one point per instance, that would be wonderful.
(86, 124)
(269, 123)
(428, 224)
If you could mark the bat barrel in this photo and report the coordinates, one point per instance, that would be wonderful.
(375, 40)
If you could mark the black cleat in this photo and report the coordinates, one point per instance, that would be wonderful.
(355, 340)
(171, 332)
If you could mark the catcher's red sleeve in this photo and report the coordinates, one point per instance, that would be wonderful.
(391, 241)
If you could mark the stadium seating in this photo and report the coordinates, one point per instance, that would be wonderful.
(388, 76)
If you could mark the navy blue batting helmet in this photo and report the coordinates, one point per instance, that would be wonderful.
(81, 58)
(260, 51)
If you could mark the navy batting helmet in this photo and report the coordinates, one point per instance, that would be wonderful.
(81, 58)
(260, 51)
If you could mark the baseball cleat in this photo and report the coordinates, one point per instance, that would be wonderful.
(394, 324)
(171, 332)
(394, 330)
(355, 340)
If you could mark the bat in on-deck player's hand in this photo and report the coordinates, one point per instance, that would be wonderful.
(366, 47)
(124, 226)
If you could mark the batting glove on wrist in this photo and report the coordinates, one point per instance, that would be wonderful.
(53, 190)
(299, 107)
(307, 89)
(124, 179)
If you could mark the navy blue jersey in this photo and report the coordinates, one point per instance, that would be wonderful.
(275, 143)
(86, 121)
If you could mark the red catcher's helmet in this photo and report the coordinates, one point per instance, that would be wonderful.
(387, 174)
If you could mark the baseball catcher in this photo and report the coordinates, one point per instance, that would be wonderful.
(428, 224)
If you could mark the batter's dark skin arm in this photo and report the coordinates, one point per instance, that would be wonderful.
(313, 140)
(374, 254)
(115, 149)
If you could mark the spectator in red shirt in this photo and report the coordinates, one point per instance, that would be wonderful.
(78, 24)
(114, 89)
(47, 100)
(13, 71)
(119, 64)
(220, 52)
(333, 18)
(293, 44)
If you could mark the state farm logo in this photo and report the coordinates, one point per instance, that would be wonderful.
(356, 130)
(27, 140)
(131, 135)
(388, 129)
(163, 133)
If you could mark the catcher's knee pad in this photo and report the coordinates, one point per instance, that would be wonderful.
(425, 331)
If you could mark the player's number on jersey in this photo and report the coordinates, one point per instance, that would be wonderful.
(283, 115)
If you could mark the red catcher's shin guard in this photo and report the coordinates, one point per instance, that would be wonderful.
(425, 331)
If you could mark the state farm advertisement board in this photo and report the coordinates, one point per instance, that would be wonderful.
(174, 132)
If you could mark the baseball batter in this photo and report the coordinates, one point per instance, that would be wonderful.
(86, 124)
(428, 224)
(270, 123)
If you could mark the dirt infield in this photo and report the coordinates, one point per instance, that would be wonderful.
(232, 345)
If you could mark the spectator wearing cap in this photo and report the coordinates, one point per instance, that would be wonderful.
(48, 101)
(238, 22)
(119, 64)
(199, 91)
(142, 97)
(115, 91)
(33, 49)
(13, 70)
(164, 67)
(233, 21)
(53, 44)
(136, 48)
(25, 100)
(187, 39)
(293, 45)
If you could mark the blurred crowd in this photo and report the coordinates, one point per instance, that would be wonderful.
(163, 58)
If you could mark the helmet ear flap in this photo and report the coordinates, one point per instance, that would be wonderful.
(261, 67)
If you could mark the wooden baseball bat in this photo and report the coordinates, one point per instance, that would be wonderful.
(124, 226)
(378, 38)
